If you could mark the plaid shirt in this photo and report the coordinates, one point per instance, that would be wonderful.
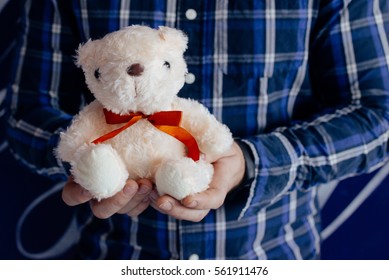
(303, 84)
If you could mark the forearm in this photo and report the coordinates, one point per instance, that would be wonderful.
(290, 158)
(34, 137)
(349, 134)
(45, 89)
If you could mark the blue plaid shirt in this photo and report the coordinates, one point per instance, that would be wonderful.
(303, 84)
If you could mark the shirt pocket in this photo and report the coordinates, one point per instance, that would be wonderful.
(265, 61)
(263, 53)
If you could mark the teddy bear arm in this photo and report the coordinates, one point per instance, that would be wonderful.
(213, 137)
(82, 131)
(216, 140)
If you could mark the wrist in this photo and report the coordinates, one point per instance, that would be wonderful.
(248, 174)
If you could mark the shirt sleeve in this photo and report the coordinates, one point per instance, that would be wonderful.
(348, 71)
(44, 91)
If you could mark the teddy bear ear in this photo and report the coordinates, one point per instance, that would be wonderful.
(174, 37)
(85, 53)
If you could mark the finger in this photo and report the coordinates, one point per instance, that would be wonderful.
(73, 194)
(139, 200)
(175, 209)
(107, 207)
(140, 207)
(228, 172)
(212, 198)
(146, 182)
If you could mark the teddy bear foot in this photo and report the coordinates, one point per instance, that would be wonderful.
(100, 170)
(183, 177)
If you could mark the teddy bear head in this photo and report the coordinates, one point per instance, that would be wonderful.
(135, 69)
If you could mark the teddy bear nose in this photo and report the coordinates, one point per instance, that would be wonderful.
(135, 69)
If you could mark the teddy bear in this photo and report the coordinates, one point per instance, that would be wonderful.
(137, 126)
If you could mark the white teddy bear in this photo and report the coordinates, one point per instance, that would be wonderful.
(137, 127)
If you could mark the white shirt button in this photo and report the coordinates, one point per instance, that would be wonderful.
(190, 78)
(194, 257)
(191, 14)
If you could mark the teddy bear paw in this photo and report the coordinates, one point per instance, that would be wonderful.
(183, 177)
(100, 170)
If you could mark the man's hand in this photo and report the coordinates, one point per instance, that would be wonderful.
(228, 173)
(132, 200)
(136, 196)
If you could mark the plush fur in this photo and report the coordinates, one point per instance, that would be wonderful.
(141, 151)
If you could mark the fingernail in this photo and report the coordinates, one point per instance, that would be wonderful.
(86, 194)
(129, 190)
(193, 204)
(166, 206)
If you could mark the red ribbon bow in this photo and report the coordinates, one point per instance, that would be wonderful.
(166, 121)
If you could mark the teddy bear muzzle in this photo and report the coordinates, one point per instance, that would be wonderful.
(135, 70)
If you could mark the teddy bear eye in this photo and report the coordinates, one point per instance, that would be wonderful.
(166, 64)
(97, 73)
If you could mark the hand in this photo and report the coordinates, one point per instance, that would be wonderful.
(228, 173)
(132, 200)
